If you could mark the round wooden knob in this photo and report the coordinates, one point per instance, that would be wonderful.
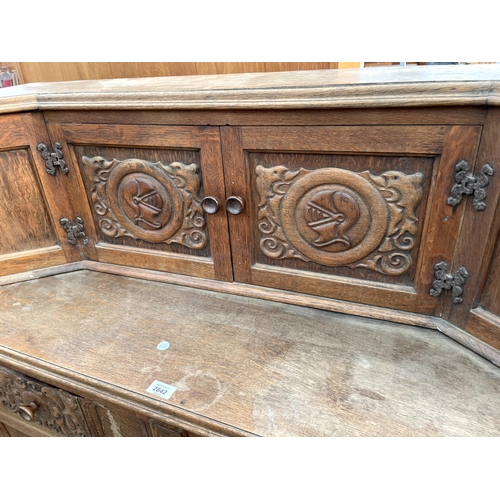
(28, 412)
(210, 205)
(234, 205)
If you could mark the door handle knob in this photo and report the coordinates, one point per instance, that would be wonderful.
(28, 412)
(210, 205)
(234, 205)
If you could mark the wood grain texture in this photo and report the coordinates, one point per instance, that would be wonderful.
(266, 368)
(462, 115)
(441, 230)
(28, 260)
(382, 87)
(484, 325)
(478, 249)
(388, 139)
(31, 204)
(25, 222)
(157, 260)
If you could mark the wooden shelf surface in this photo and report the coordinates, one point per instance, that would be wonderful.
(267, 368)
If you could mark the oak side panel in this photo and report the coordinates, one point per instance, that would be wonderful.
(32, 202)
(440, 234)
(24, 217)
(478, 238)
(484, 325)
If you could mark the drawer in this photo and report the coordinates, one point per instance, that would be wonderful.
(24, 400)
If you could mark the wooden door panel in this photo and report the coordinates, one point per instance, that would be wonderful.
(144, 187)
(31, 234)
(354, 213)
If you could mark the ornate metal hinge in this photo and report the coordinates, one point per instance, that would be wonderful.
(74, 230)
(466, 183)
(445, 281)
(53, 160)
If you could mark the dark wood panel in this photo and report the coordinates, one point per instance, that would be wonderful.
(123, 135)
(464, 115)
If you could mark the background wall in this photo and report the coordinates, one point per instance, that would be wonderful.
(30, 72)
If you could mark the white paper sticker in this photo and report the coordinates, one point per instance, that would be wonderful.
(160, 389)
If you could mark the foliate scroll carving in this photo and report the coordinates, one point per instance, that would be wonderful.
(338, 217)
(148, 201)
(53, 408)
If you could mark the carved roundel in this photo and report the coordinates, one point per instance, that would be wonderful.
(145, 200)
(334, 216)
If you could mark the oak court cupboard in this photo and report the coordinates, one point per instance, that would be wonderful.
(254, 254)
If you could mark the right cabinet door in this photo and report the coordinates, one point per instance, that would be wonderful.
(356, 213)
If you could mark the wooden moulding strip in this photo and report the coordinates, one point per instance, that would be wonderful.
(164, 261)
(469, 341)
(275, 295)
(101, 392)
(20, 262)
(41, 273)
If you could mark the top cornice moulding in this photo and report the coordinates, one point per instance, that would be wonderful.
(365, 87)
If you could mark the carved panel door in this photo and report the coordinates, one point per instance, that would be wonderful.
(356, 213)
(31, 204)
(143, 192)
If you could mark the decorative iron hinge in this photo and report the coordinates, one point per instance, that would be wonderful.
(53, 160)
(74, 230)
(466, 183)
(445, 281)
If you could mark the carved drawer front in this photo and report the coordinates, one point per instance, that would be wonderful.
(142, 192)
(42, 404)
(344, 212)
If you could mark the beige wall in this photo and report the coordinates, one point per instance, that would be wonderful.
(57, 71)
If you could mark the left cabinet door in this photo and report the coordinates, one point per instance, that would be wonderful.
(148, 195)
(32, 202)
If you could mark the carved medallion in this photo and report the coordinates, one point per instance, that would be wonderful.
(337, 217)
(147, 201)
